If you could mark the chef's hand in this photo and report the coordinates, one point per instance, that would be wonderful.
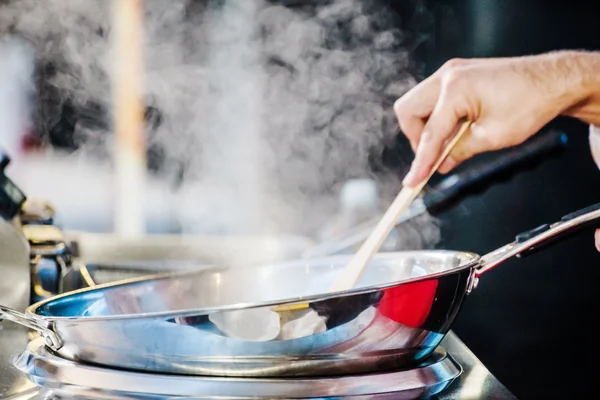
(597, 237)
(506, 99)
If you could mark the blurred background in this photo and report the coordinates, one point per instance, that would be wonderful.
(531, 321)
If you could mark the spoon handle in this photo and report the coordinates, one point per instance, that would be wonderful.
(355, 268)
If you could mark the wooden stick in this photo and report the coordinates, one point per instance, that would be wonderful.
(355, 268)
(130, 151)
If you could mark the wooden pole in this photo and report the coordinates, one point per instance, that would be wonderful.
(128, 113)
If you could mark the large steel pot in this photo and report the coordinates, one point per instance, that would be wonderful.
(404, 305)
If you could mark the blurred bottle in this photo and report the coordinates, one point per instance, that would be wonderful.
(358, 204)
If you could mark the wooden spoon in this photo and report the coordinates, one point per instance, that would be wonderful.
(357, 265)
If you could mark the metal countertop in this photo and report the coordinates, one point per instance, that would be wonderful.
(476, 382)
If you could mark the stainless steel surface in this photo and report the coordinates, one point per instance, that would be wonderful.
(66, 261)
(498, 256)
(14, 267)
(109, 325)
(403, 306)
(13, 383)
(104, 258)
(97, 248)
(426, 379)
(475, 382)
(44, 328)
(14, 261)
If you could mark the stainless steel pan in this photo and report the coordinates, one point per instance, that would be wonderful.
(404, 305)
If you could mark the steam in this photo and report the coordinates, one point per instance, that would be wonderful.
(259, 112)
(16, 87)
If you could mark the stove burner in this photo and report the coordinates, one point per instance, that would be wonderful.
(68, 378)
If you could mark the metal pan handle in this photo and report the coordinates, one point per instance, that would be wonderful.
(529, 242)
(45, 329)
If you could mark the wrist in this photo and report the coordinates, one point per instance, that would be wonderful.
(578, 90)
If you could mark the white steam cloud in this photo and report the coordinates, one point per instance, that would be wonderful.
(264, 110)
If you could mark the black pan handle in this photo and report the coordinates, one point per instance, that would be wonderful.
(454, 188)
(536, 239)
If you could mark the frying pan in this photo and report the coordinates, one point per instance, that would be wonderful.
(397, 315)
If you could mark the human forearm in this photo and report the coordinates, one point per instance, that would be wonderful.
(581, 70)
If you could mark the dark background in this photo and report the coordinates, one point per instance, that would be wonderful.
(531, 321)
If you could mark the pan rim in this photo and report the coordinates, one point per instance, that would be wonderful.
(473, 259)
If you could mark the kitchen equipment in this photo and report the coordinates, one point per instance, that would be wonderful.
(475, 178)
(103, 258)
(14, 264)
(63, 261)
(50, 260)
(403, 307)
(14, 268)
(426, 379)
(35, 373)
(355, 268)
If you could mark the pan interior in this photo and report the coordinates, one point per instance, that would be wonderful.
(214, 288)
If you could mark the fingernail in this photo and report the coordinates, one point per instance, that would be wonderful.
(407, 181)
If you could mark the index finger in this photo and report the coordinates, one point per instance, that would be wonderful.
(441, 125)
(413, 109)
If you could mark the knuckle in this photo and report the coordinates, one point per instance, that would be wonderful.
(430, 138)
(398, 107)
(453, 72)
(453, 63)
(492, 140)
(453, 77)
